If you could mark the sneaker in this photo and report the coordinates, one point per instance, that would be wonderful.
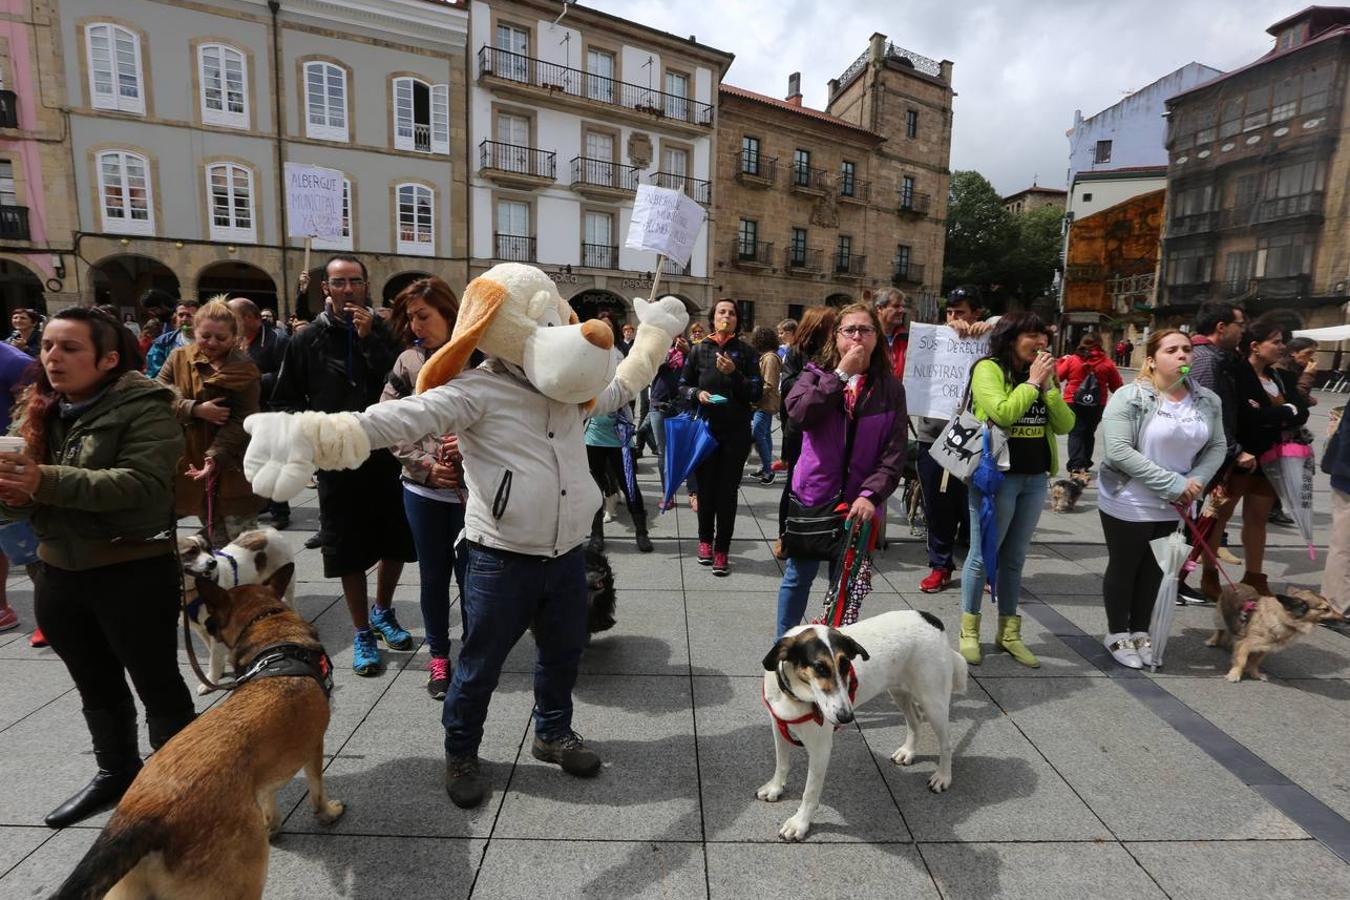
(438, 682)
(386, 628)
(9, 619)
(705, 554)
(1143, 645)
(37, 640)
(568, 751)
(937, 580)
(314, 541)
(1189, 596)
(1122, 650)
(768, 477)
(365, 654)
(464, 782)
(779, 466)
(721, 568)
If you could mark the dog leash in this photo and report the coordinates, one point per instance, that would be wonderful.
(1204, 547)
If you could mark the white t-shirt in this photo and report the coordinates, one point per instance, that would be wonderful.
(1173, 439)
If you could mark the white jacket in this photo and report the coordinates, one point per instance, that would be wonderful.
(530, 489)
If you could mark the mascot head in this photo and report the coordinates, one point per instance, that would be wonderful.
(514, 313)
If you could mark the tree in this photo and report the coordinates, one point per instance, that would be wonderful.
(980, 233)
(1029, 268)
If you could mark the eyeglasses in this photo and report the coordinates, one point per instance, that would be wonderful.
(341, 283)
(858, 330)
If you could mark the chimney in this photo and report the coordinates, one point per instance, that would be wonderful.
(876, 49)
(834, 88)
(794, 95)
(945, 70)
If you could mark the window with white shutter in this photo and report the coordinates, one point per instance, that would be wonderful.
(416, 220)
(325, 102)
(421, 116)
(114, 58)
(223, 73)
(124, 193)
(230, 194)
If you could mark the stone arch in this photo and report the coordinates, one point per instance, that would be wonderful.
(588, 304)
(238, 279)
(839, 301)
(134, 282)
(396, 283)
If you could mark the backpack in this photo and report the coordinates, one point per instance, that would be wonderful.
(1089, 391)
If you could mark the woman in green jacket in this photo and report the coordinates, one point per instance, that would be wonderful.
(96, 481)
(1015, 388)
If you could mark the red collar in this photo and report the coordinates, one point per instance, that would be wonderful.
(814, 715)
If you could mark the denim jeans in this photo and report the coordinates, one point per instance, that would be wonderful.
(435, 524)
(1018, 507)
(655, 423)
(761, 430)
(795, 592)
(503, 593)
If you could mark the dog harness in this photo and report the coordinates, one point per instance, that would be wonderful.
(290, 660)
(814, 715)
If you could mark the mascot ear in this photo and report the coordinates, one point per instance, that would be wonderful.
(567, 313)
(482, 298)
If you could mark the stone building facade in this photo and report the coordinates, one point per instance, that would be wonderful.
(828, 206)
(1034, 198)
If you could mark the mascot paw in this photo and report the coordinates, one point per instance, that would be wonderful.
(339, 440)
(280, 456)
(667, 314)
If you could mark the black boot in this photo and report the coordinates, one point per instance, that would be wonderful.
(114, 734)
(162, 728)
(644, 543)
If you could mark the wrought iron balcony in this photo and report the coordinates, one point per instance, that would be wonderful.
(805, 178)
(696, 188)
(903, 272)
(916, 202)
(804, 259)
(1236, 287)
(602, 176)
(752, 253)
(516, 164)
(849, 265)
(1190, 291)
(851, 189)
(513, 247)
(755, 168)
(527, 70)
(600, 256)
(14, 223)
(1282, 287)
(9, 109)
(1193, 223)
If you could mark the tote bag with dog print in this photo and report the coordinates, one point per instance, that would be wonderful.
(959, 446)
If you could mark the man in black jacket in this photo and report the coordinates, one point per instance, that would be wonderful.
(339, 364)
(266, 346)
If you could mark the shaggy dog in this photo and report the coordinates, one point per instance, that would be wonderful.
(600, 599)
(1253, 625)
(1064, 495)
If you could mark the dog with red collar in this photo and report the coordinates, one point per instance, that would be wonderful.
(815, 676)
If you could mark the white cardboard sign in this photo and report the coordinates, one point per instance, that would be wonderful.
(937, 366)
(313, 201)
(665, 221)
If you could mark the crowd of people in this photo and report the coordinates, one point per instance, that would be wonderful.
(127, 429)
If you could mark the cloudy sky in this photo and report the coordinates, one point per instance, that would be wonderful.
(1022, 66)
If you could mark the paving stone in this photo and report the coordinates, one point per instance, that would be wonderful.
(1080, 870)
(649, 638)
(775, 871)
(301, 867)
(17, 842)
(1220, 870)
(592, 869)
(29, 685)
(43, 871)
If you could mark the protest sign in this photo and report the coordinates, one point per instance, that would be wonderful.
(937, 366)
(664, 221)
(313, 202)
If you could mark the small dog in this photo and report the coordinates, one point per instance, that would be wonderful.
(1253, 625)
(251, 558)
(1082, 477)
(1064, 494)
(812, 684)
(196, 821)
(600, 597)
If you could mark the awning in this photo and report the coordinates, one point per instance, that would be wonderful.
(1328, 335)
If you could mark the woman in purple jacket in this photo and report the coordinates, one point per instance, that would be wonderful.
(847, 399)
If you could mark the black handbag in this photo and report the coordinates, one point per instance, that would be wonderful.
(817, 531)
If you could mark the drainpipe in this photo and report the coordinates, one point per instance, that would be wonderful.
(285, 293)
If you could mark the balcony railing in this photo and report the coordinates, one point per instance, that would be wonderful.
(853, 189)
(518, 160)
(903, 272)
(1193, 223)
(1282, 287)
(1274, 210)
(915, 202)
(602, 173)
(803, 258)
(14, 223)
(698, 189)
(1236, 287)
(805, 178)
(513, 247)
(1189, 291)
(754, 253)
(850, 265)
(595, 88)
(600, 256)
(422, 137)
(755, 166)
(9, 109)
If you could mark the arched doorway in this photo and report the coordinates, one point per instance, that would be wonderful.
(20, 289)
(140, 285)
(395, 285)
(238, 279)
(588, 305)
(839, 301)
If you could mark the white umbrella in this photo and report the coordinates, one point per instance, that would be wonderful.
(1171, 553)
(1289, 469)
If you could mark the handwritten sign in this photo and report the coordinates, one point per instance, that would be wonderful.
(313, 201)
(664, 221)
(937, 365)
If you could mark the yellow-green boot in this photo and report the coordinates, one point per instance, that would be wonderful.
(970, 637)
(1010, 639)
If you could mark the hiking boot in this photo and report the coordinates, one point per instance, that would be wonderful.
(9, 619)
(1258, 581)
(721, 567)
(463, 782)
(365, 654)
(705, 553)
(438, 682)
(937, 580)
(1010, 639)
(644, 543)
(569, 752)
(969, 645)
(385, 625)
(37, 639)
(115, 751)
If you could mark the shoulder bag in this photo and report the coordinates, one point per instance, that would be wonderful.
(960, 445)
(817, 531)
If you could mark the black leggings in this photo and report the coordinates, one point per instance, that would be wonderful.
(606, 464)
(114, 619)
(1132, 574)
(719, 487)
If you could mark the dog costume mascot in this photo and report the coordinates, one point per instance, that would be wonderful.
(520, 418)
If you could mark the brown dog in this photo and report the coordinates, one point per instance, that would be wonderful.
(1254, 625)
(196, 821)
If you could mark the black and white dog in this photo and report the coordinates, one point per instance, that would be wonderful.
(815, 676)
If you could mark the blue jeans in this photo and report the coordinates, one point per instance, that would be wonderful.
(435, 525)
(1018, 506)
(656, 424)
(761, 429)
(503, 593)
(795, 592)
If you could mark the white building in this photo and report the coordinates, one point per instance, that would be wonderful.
(567, 115)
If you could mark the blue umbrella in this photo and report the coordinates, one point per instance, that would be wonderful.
(624, 426)
(987, 480)
(688, 442)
